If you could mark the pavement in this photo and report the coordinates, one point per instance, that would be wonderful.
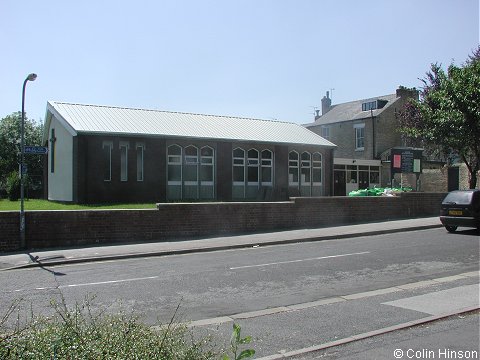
(53, 257)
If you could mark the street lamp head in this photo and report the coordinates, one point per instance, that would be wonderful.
(31, 77)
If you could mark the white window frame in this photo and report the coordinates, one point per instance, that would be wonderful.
(238, 162)
(359, 140)
(207, 160)
(109, 145)
(253, 162)
(123, 147)
(317, 164)
(140, 164)
(296, 165)
(266, 163)
(175, 160)
(325, 132)
(191, 160)
(306, 166)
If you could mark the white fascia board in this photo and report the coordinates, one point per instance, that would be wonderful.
(51, 109)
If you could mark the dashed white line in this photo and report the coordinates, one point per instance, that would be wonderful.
(90, 284)
(299, 260)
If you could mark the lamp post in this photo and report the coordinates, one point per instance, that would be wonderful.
(30, 77)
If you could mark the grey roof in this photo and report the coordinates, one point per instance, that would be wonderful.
(352, 111)
(94, 119)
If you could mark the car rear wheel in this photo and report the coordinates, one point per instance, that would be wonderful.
(451, 228)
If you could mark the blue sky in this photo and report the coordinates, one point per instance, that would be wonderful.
(269, 59)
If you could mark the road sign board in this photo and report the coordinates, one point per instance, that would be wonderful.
(35, 149)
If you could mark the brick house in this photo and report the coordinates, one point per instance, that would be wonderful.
(365, 131)
(113, 154)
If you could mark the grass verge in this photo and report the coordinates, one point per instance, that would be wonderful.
(38, 204)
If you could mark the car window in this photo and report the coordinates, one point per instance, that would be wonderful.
(460, 198)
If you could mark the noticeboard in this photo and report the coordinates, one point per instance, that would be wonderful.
(406, 160)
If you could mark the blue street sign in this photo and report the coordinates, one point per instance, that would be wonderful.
(35, 149)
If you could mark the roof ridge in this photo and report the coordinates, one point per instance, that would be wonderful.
(170, 112)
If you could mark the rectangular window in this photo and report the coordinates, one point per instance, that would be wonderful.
(107, 160)
(325, 132)
(123, 161)
(238, 166)
(371, 105)
(140, 150)
(359, 136)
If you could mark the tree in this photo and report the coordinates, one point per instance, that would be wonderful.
(10, 132)
(447, 115)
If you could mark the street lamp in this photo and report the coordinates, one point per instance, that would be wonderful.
(30, 77)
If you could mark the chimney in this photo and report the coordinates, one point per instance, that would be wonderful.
(317, 114)
(326, 103)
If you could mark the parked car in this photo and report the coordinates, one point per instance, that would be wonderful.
(461, 208)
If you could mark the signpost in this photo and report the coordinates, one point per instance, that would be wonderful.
(39, 150)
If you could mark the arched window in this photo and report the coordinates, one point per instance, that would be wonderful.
(206, 165)
(238, 166)
(317, 169)
(267, 168)
(306, 165)
(190, 174)
(174, 165)
(293, 168)
(253, 167)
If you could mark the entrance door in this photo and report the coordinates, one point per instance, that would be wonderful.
(363, 180)
(339, 187)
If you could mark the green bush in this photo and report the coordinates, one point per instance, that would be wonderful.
(12, 186)
(80, 334)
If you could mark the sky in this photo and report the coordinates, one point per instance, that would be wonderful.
(266, 59)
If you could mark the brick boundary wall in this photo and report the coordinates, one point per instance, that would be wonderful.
(177, 221)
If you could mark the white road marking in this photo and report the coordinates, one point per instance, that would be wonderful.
(90, 284)
(296, 261)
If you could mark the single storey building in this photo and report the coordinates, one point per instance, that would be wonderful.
(112, 154)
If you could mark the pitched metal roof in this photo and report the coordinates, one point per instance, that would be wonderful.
(352, 111)
(94, 119)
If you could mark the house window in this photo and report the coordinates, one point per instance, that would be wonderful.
(317, 168)
(53, 139)
(238, 166)
(325, 132)
(252, 172)
(293, 168)
(206, 165)
(174, 165)
(107, 160)
(123, 161)
(267, 168)
(190, 175)
(370, 105)
(359, 136)
(140, 150)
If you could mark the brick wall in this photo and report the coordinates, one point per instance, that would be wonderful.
(181, 221)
